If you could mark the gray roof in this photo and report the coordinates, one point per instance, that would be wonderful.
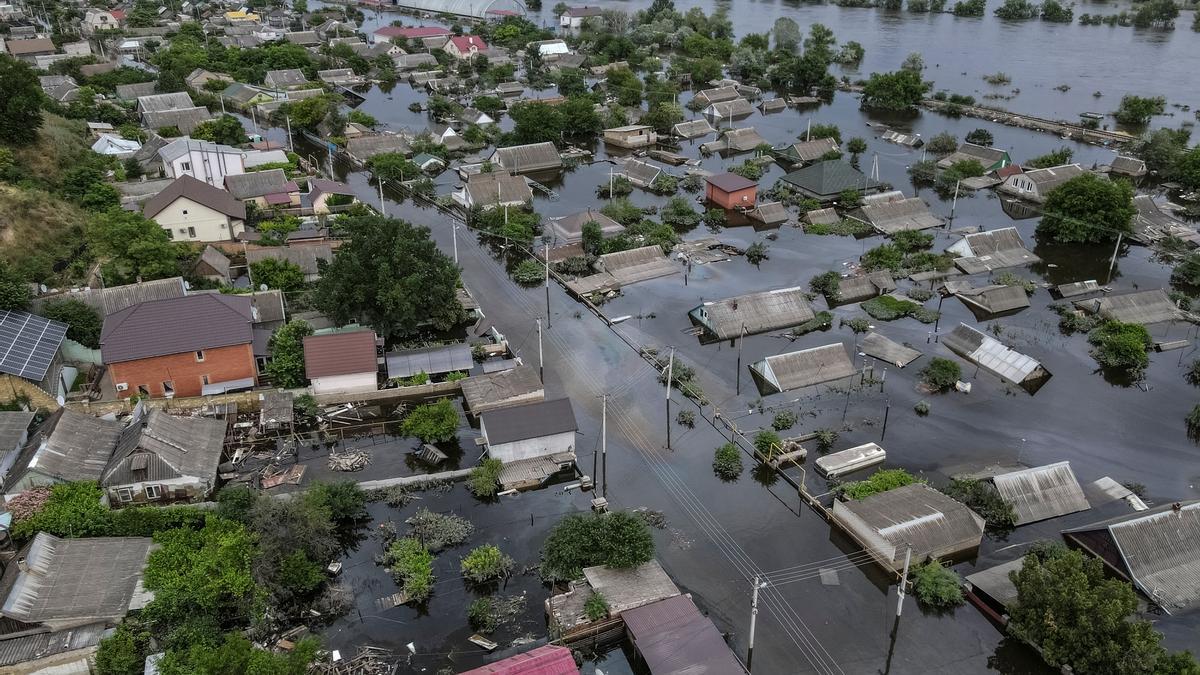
(303, 37)
(42, 645)
(1049, 178)
(366, 147)
(770, 213)
(1041, 492)
(409, 61)
(804, 368)
(166, 447)
(532, 157)
(743, 139)
(184, 119)
(569, 229)
(829, 178)
(290, 77)
(131, 92)
(524, 422)
(195, 190)
(864, 287)
(717, 95)
(259, 184)
(990, 354)
(115, 298)
(505, 388)
(497, 187)
(632, 587)
(995, 582)
(14, 425)
(738, 107)
(754, 313)
(889, 351)
(84, 579)
(68, 446)
(182, 146)
(992, 250)
(892, 216)
(641, 173)
(693, 129)
(994, 299)
(1144, 307)
(638, 264)
(1160, 549)
(827, 216)
(1077, 288)
(968, 151)
(162, 102)
(28, 344)
(918, 516)
(216, 260)
(1128, 166)
(811, 151)
(429, 360)
(305, 256)
(276, 407)
(179, 325)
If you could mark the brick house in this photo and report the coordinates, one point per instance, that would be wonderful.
(730, 191)
(191, 346)
(465, 46)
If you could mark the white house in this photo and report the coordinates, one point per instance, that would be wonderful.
(190, 210)
(203, 160)
(108, 144)
(550, 47)
(574, 16)
(528, 431)
(1034, 185)
(341, 362)
(465, 46)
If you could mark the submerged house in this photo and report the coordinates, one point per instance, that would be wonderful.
(533, 430)
(826, 181)
(1041, 492)
(753, 313)
(892, 212)
(992, 301)
(631, 136)
(805, 368)
(809, 151)
(569, 229)
(1035, 184)
(991, 355)
(992, 159)
(730, 191)
(986, 251)
(863, 287)
(1144, 307)
(528, 158)
(698, 128)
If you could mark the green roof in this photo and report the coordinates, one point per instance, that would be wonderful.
(828, 178)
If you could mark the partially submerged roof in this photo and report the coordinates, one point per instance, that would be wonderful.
(176, 326)
(627, 589)
(532, 157)
(529, 421)
(363, 148)
(992, 250)
(996, 583)
(1041, 492)
(197, 191)
(990, 354)
(1144, 307)
(804, 368)
(28, 344)
(888, 351)
(897, 215)
(918, 516)
(674, 638)
(569, 229)
(429, 360)
(770, 213)
(993, 299)
(693, 129)
(544, 660)
(1051, 177)
(497, 187)
(864, 287)
(505, 388)
(335, 354)
(754, 313)
(810, 151)
(638, 264)
(730, 182)
(986, 156)
(830, 178)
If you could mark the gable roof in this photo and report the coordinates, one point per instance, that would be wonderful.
(166, 446)
(259, 184)
(1144, 307)
(319, 186)
(497, 187)
(340, 354)
(992, 355)
(531, 157)
(304, 256)
(68, 446)
(136, 90)
(176, 326)
(1041, 492)
(31, 46)
(161, 102)
(896, 215)
(533, 420)
(464, 43)
(811, 151)
(184, 119)
(215, 259)
(1051, 177)
(918, 516)
(288, 77)
(675, 638)
(755, 312)
(830, 178)
(28, 344)
(544, 660)
(115, 298)
(804, 368)
(192, 189)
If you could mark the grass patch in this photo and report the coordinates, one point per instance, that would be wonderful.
(880, 481)
(888, 308)
(846, 228)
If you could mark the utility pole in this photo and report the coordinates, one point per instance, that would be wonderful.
(289, 130)
(541, 364)
(954, 204)
(808, 133)
(382, 205)
(670, 373)
(903, 582)
(454, 236)
(547, 284)
(741, 338)
(1112, 263)
(604, 442)
(753, 620)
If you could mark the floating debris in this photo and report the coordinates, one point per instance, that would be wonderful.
(354, 460)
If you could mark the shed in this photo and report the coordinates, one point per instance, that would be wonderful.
(809, 151)
(1158, 551)
(863, 287)
(888, 351)
(1077, 288)
(631, 136)
(569, 229)
(897, 215)
(641, 173)
(306, 256)
(990, 354)
(528, 158)
(531, 430)
(341, 362)
(1144, 307)
(693, 129)
(734, 141)
(510, 387)
(706, 97)
(674, 638)
(804, 368)
(212, 265)
(986, 251)
(753, 313)
(1041, 492)
(772, 105)
(628, 589)
(429, 360)
(914, 516)
(825, 181)
(826, 216)
(992, 159)
(993, 300)
(728, 110)
(994, 588)
(730, 191)
(1128, 166)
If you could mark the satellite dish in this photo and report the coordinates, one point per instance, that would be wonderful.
(262, 287)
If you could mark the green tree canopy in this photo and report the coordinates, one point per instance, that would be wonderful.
(898, 90)
(134, 246)
(391, 276)
(225, 129)
(432, 422)
(21, 107)
(286, 367)
(1087, 209)
(617, 539)
(83, 323)
(274, 273)
(14, 291)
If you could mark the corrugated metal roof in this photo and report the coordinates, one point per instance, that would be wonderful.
(676, 639)
(641, 173)
(917, 515)
(996, 249)
(569, 229)
(1144, 307)
(888, 351)
(175, 326)
(811, 151)
(864, 287)
(994, 299)
(68, 446)
(305, 256)
(161, 102)
(184, 119)
(638, 264)
(738, 107)
(497, 187)
(1041, 492)
(41, 645)
(259, 184)
(693, 129)
(755, 313)
(186, 446)
(429, 360)
(1049, 178)
(14, 427)
(717, 95)
(544, 660)
(804, 368)
(349, 353)
(529, 421)
(993, 356)
(526, 158)
(897, 215)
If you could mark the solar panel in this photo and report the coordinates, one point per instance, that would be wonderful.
(28, 344)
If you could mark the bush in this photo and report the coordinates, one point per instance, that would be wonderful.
(826, 438)
(941, 374)
(481, 614)
(883, 257)
(848, 227)
(910, 241)
(984, 500)
(616, 539)
(486, 563)
(756, 253)
(888, 308)
(432, 422)
(74, 510)
(664, 184)
(83, 323)
(766, 442)
(727, 462)
(784, 420)
(686, 418)
(411, 564)
(1121, 346)
(922, 408)
(880, 481)
(344, 501)
(980, 137)
(529, 272)
(437, 531)
(821, 321)
(826, 284)
(596, 607)
(857, 324)
(936, 586)
(125, 650)
(620, 187)
(1193, 424)
(1192, 375)
(1010, 279)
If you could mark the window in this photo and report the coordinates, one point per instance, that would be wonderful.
(185, 166)
(199, 355)
(170, 233)
(153, 491)
(124, 495)
(168, 388)
(143, 390)
(192, 232)
(204, 379)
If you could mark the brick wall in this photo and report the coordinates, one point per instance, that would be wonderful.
(13, 387)
(220, 365)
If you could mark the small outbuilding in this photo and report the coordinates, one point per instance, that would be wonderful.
(631, 136)
(527, 431)
(992, 250)
(826, 181)
(672, 637)
(436, 360)
(730, 191)
(993, 300)
(528, 158)
(341, 362)
(893, 212)
(502, 389)
(991, 355)
(1144, 307)
(804, 368)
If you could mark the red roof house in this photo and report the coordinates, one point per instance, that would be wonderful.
(729, 191)
(411, 32)
(465, 46)
(341, 362)
(544, 660)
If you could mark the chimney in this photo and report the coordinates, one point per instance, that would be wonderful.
(22, 565)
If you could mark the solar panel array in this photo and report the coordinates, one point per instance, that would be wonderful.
(28, 344)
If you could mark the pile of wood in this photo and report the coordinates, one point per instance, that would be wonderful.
(352, 460)
(368, 661)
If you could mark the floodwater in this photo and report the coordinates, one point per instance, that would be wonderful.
(720, 534)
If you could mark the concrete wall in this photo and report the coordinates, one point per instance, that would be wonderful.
(354, 382)
(532, 447)
(247, 401)
(209, 224)
(222, 364)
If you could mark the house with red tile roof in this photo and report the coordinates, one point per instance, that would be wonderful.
(465, 46)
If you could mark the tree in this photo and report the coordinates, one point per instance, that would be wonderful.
(125, 650)
(624, 85)
(1187, 272)
(824, 131)
(592, 238)
(14, 291)
(83, 323)
(941, 374)
(570, 82)
(309, 113)
(296, 539)
(678, 213)
(391, 275)
(579, 117)
(1156, 13)
(984, 500)
(856, 146)
(1137, 110)
(225, 129)
(1121, 346)
(286, 367)
(913, 62)
(1055, 12)
(280, 274)
(432, 422)
(135, 247)
(236, 654)
(616, 539)
(970, 8)
(663, 116)
(936, 586)
(1057, 157)
(21, 108)
(1087, 209)
(898, 90)
(942, 144)
(393, 166)
(980, 137)
(1016, 10)
(1186, 168)
(727, 462)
